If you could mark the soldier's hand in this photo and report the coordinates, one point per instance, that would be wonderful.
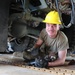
(30, 50)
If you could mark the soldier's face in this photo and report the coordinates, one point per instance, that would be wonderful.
(52, 29)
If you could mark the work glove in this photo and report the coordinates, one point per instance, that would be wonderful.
(38, 62)
(33, 51)
(41, 62)
(49, 58)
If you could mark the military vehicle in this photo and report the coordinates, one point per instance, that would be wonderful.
(21, 22)
(24, 20)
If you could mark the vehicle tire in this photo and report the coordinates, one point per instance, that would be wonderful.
(18, 29)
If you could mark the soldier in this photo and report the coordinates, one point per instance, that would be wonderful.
(55, 41)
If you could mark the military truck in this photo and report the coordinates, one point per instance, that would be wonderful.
(25, 21)
(22, 22)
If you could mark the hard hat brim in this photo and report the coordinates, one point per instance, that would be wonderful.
(44, 21)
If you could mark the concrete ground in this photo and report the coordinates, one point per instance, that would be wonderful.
(7, 68)
(15, 70)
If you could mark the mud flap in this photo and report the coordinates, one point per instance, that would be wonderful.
(4, 12)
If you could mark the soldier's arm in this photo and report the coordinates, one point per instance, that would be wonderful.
(38, 43)
(60, 60)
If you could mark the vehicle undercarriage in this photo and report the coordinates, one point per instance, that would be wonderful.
(25, 22)
(24, 26)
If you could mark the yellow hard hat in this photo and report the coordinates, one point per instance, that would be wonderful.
(52, 17)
